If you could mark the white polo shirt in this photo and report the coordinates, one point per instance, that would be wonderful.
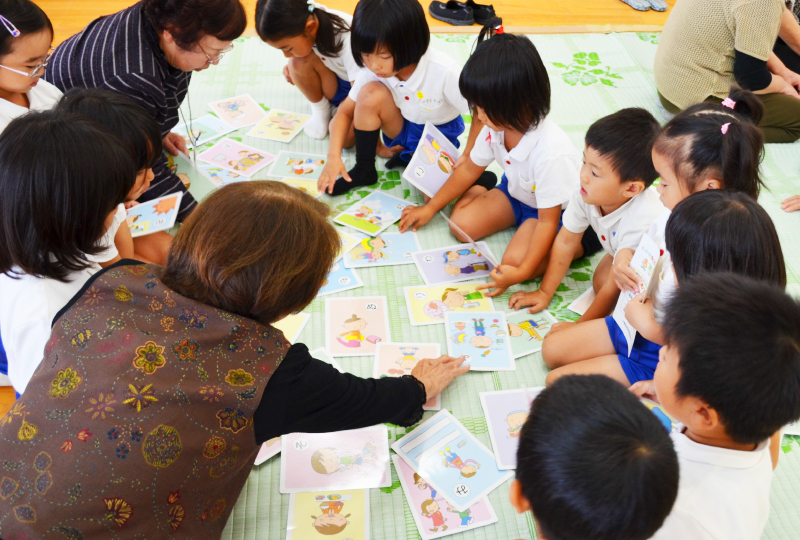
(431, 94)
(543, 170)
(107, 240)
(42, 97)
(723, 494)
(343, 65)
(622, 228)
(665, 288)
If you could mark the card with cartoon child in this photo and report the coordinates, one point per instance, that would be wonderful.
(386, 249)
(281, 126)
(373, 214)
(433, 162)
(526, 331)
(506, 412)
(238, 111)
(428, 305)
(236, 157)
(154, 215)
(454, 263)
(482, 338)
(355, 325)
(339, 279)
(340, 515)
(398, 359)
(202, 130)
(298, 165)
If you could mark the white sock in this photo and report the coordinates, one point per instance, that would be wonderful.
(317, 125)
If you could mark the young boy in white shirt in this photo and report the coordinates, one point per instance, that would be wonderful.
(730, 373)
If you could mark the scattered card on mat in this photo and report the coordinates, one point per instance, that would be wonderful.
(154, 216)
(526, 331)
(268, 449)
(505, 413)
(582, 303)
(398, 359)
(292, 325)
(453, 263)
(433, 162)
(219, 176)
(386, 249)
(349, 241)
(352, 459)
(482, 338)
(236, 157)
(343, 515)
(298, 165)
(354, 325)
(281, 126)
(373, 214)
(307, 186)
(238, 111)
(203, 129)
(428, 304)
(443, 452)
(339, 279)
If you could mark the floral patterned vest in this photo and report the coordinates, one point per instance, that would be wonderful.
(138, 422)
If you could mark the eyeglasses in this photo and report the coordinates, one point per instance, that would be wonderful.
(215, 59)
(37, 70)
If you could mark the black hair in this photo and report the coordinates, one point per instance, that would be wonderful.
(279, 19)
(739, 345)
(626, 139)
(506, 77)
(719, 230)
(589, 457)
(698, 148)
(61, 174)
(190, 20)
(398, 25)
(26, 16)
(138, 131)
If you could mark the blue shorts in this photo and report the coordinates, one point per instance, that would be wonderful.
(522, 212)
(641, 364)
(411, 134)
(341, 92)
(3, 358)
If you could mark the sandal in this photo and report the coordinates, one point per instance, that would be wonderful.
(453, 12)
(480, 12)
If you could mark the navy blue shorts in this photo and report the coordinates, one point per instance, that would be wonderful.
(411, 134)
(641, 364)
(341, 92)
(522, 211)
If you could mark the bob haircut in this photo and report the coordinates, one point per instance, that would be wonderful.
(61, 174)
(190, 20)
(26, 16)
(719, 230)
(397, 25)
(137, 130)
(506, 77)
(280, 19)
(268, 262)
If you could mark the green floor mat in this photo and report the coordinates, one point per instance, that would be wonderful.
(591, 76)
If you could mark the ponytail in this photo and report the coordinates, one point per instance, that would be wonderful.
(279, 19)
(493, 26)
(330, 26)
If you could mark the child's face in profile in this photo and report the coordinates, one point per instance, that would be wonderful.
(380, 62)
(671, 189)
(601, 185)
(142, 184)
(27, 51)
(295, 46)
(481, 114)
(666, 380)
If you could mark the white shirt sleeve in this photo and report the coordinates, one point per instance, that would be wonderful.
(681, 524)
(482, 154)
(27, 344)
(453, 93)
(556, 180)
(576, 218)
(107, 241)
(348, 60)
(363, 77)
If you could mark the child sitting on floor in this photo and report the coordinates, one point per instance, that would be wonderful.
(710, 231)
(613, 208)
(402, 85)
(730, 374)
(140, 135)
(594, 464)
(507, 87)
(25, 46)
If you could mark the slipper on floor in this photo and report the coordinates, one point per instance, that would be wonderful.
(453, 12)
(655, 5)
(638, 5)
(480, 12)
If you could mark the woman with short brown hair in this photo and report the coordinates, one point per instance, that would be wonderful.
(159, 385)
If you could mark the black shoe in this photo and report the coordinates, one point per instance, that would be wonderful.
(453, 12)
(396, 162)
(480, 12)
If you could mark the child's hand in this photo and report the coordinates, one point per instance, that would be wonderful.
(415, 217)
(624, 276)
(640, 314)
(644, 389)
(503, 277)
(174, 143)
(537, 300)
(287, 75)
(791, 204)
(332, 171)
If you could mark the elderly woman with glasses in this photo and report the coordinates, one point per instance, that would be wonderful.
(148, 53)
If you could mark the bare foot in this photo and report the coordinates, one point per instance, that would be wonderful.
(385, 152)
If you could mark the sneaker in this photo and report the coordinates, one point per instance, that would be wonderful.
(453, 12)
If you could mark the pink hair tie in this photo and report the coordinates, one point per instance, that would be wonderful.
(729, 103)
(725, 127)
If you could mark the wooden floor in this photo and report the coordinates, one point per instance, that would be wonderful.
(7, 399)
(531, 16)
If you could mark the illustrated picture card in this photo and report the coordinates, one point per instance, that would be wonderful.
(236, 157)
(292, 325)
(298, 165)
(201, 130)
(219, 176)
(526, 331)
(482, 338)
(281, 126)
(398, 359)
(154, 216)
(238, 111)
(644, 262)
(306, 186)
(339, 279)
(433, 162)
(428, 304)
(667, 420)
(343, 515)
(454, 263)
(506, 412)
(355, 325)
(321, 354)
(351, 459)
(349, 241)
(386, 249)
(268, 449)
(451, 459)
(373, 214)
(434, 516)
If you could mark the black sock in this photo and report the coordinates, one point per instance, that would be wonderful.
(364, 173)
(488, 180)
(396, 162)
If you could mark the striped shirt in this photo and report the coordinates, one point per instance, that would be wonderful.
(121, 52)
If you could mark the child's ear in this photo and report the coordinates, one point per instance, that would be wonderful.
(704, 417)
(518, 500)
(633, 188)
(312, 25)
(708, 183)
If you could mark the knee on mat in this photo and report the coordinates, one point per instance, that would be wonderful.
(552, 377)
(550, 353)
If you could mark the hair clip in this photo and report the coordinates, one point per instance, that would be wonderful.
(729, 103)
(311, 6)
(499, 29)
(724, 128)
(9, 26)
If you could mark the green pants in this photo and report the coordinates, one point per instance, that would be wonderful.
(781, 120)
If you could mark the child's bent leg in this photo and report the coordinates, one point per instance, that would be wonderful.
(518, 247)
(602, 273)
(318, 84)
(603, 365)
(153, 247)
(577, 342)
(480, 213)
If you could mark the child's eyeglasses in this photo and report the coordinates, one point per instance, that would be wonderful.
(37, 70)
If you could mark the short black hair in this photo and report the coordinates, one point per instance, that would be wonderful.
(589, 457)
(190, 20)
(138, 131)
(26, 16)
(506, 77)
(398, 25)
(739, 345)
(626, 139)
(280, 19)
(61, 174)
(719, 230)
